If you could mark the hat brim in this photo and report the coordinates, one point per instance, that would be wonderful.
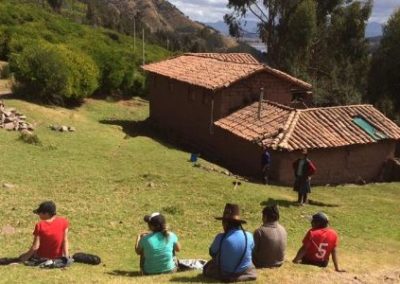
(36, 211)
(231, 219)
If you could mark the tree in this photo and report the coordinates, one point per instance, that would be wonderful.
(319, 41)
(56, 5)
(384, 76)
(54, 73)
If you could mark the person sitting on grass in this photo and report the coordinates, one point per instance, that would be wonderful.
(158, 247)
(50, 237)
(231, 251)
(318, 244)
(270, 240)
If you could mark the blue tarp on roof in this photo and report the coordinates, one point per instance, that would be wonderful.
(369, 128)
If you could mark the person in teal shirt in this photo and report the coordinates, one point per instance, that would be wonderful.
(158, 247)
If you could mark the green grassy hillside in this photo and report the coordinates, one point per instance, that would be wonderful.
(117, 56)
(113, 170)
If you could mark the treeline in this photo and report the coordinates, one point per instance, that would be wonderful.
(59, 61)
(324, 42)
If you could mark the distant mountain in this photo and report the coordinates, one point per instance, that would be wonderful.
(164, 23)
(374, 29)
(219, 26)
(249, 27)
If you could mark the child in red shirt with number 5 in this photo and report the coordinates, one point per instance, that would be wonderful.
(318, 244)
(50, 235)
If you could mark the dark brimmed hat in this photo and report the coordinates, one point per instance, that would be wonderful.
(231, 213)
(48, 207)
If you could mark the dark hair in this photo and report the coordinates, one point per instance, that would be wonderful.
(159, 224)
(231, 224)
(319, 224)
(271, 213)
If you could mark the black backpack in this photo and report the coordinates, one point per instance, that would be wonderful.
(86, 258)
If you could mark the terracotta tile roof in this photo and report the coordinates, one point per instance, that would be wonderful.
(281, 127)
(215, 70)
(244, 58)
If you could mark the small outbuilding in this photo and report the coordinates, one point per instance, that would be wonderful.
(347, 143)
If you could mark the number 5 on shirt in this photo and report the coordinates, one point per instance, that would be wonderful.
(321, 250)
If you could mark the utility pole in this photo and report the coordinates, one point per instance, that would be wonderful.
(143, 45)
(134, 33)
(260, 103)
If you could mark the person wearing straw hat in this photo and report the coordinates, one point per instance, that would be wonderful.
(319, 244)
(303, 170)
(231, 251)
(158, 247)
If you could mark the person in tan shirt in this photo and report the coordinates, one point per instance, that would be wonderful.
(270, 240)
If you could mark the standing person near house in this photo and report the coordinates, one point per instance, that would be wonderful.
(265, 164)
(303, 168)
(270, 240)
(231, 251)
(158, 247)
(318, 244)
(50, 237)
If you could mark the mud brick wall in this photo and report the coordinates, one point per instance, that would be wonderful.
(247, 91)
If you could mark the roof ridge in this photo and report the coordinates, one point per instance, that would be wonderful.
(335, 107)
(288, 129)
(282, 106)
(280, 73)
(214, 56)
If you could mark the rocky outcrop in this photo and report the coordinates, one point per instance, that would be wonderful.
(11, 119)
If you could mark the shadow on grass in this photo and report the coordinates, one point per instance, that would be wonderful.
(289, 203)
(192, 279)
(178, 278)
(125, 273)
(140, 128)
(321, 204)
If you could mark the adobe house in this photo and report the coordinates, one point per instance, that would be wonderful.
(347, 143)
(189, 93)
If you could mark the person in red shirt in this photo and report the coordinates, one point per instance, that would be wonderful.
(50, 237)
(318, 244)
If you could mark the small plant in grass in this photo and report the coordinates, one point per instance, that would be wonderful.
(30, 138)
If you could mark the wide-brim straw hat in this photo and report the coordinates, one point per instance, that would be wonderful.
(232, 213)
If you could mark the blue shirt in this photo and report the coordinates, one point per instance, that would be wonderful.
(266, 159)
(233, 247)
(158, 252)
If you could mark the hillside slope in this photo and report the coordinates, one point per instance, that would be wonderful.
(158, 17)
(112, 171)
(117, 55)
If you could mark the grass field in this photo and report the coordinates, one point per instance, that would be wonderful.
(100, 176)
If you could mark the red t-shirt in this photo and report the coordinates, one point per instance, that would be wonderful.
(51, 236)
(319, 244)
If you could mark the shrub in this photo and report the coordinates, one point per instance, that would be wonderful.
(117, 68)
(30, 138)
(5, 72)
(54, 73)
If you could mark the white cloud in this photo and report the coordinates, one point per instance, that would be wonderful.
(214, 10)
(383, 9)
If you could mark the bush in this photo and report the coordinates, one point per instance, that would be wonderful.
(30, 138)
(117, 69)
(5, 72)
(54, 73)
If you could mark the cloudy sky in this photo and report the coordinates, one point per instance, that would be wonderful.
(214, 10)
